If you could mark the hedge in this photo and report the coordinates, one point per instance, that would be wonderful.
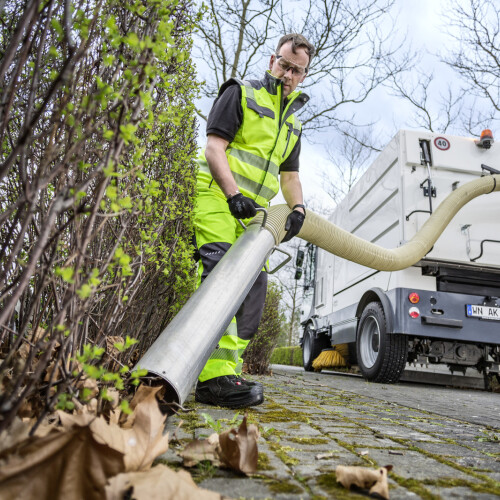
(287, 356)
(97, 179)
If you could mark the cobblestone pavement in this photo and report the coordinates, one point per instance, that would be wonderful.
(443, 443)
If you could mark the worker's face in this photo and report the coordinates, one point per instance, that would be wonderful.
(289, 67)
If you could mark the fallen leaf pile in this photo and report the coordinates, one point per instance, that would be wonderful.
(85, 456)
(235, 449)
(158, 482)
(366, 479)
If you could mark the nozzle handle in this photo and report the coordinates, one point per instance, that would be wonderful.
(264, 220)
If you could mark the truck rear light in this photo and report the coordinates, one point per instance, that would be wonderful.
(414, 312)
(414, 298)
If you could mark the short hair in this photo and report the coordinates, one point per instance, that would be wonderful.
(298, 41)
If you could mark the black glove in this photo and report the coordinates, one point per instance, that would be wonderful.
(242, 207)
(293, 225)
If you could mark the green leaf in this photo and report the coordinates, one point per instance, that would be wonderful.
(211, 422)
(108, 135)
(139, 372)
(125, 407)
(85, 394)
(132, 40)
(85, 291)
(129, 342)
(111, 192)
(127, 132)
(104, 395)
(57, 26)
(119, 346)
(66, 273)
(125, 202)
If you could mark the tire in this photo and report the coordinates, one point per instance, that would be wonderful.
(381, 356)
(312, 347)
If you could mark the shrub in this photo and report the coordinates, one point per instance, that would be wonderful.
(96, 185)
(260, 348)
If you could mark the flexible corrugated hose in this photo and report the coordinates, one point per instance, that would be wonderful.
(333, 239)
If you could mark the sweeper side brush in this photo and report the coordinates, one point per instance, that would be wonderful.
(182, 349)
(335, 357)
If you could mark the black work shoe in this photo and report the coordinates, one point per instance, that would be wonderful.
(249, 383)
(227, 391)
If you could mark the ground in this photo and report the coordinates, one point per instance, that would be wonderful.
(443, 442)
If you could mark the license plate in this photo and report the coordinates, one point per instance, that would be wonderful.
(483, 312)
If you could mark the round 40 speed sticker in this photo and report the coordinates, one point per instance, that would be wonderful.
(442, 143)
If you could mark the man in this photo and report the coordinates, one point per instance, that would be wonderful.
(253, 146)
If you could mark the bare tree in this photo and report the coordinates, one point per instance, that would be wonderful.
(471, 102)
(356, 49)
(433, 109)
(349, 158)
(475, 27)
(233, 35)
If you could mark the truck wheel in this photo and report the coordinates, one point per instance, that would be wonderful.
(381, 356)
(312, 347)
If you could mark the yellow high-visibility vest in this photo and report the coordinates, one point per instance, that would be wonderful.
(264, 141)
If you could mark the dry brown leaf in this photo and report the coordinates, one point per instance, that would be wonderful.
(381, 487)
(143, 393)
(53, 365)
(147, 427)
(367, 479)
(158, 482)
(141, 443)
(110, 345)
(25, 348)
(112, 403)
(112, 353)
(114, 416)
(238, 448)
(91, 385)
(201, 449)
(17, 432)
(40, 333)
(92, 406)
(68, 421)
(235, 449)
(75, 460)
(26, 409)
(62, 465)
(145, 439)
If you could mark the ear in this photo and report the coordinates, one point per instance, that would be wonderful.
(271, 61)
(303, 78)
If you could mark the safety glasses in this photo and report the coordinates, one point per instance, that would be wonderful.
(286, 65)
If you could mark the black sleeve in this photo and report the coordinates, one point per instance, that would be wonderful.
(291, 164)
(226, 115)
